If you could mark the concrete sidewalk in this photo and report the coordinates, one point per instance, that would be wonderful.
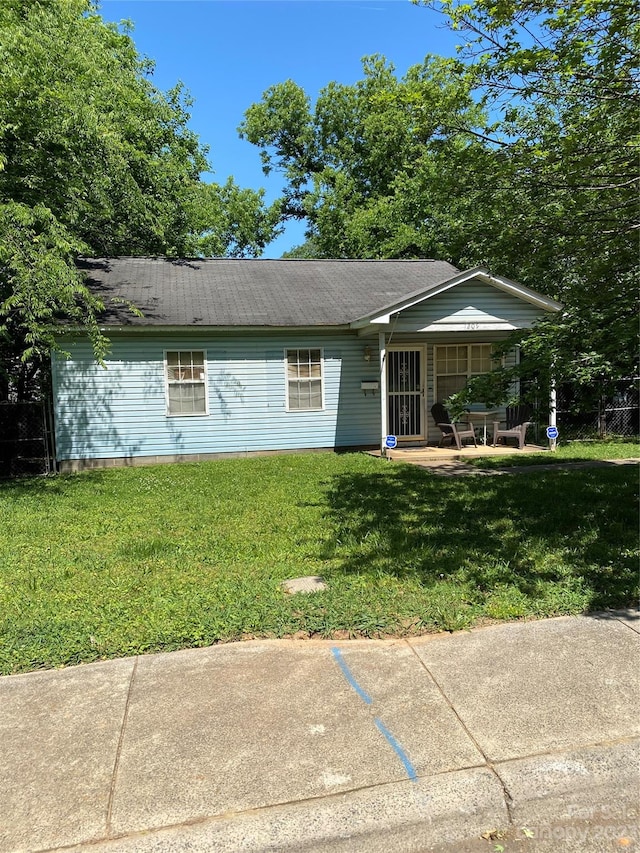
(526, 733)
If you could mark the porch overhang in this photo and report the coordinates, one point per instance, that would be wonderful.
(370, 323)
(446, 328)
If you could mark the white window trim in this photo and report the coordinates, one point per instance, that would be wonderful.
(436, 375)
(286, 379)
(165, 368)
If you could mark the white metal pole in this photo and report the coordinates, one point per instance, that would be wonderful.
(552, 410)
(383, 390)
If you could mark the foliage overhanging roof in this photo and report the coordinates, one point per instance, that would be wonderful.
(232, 292)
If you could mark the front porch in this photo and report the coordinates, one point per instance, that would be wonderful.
(432, 343)
(430, 453)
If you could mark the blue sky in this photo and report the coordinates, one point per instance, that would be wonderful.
(227, 52)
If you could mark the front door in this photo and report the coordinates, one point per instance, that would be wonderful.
(405, 393)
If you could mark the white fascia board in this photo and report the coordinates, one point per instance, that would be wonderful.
(382, 320)
(505, 284)
(525, 293)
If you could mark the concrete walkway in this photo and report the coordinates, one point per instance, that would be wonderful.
(524, 733)
(433, 453)
(457, 468)
(450, 462)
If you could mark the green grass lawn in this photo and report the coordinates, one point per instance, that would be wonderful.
(572, 451)
(118, 562)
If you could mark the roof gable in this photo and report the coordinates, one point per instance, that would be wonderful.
(513, 288)
(470, 306)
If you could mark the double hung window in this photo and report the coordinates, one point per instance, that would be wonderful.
(186, 382)
(304, 379)
(457, 363)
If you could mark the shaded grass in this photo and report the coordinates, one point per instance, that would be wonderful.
(119, 562)
(572, 451)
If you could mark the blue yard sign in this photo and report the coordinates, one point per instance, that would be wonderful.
(390, 442)
(552, 432)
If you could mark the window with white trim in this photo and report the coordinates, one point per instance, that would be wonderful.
(455, 364)
(186, 382)
(304, 379)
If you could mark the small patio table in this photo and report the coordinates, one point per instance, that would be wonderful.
(481, 416)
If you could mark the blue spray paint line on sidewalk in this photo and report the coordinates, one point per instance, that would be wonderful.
(393, 743)
(347, 674)
(399, 751)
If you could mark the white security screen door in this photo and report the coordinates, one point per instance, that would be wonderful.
(405, 393)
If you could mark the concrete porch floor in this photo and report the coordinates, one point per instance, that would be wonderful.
(433, 453)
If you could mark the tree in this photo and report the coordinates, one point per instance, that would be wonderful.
(560, 78)
(94, 160)
(372, 166)
(520, 155)
(226, 220)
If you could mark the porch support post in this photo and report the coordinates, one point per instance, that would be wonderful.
(552, 410)
(382, 345)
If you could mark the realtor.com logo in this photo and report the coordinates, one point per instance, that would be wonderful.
(617, 827)
(603, 812)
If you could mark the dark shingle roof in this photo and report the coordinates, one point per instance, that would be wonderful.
(230, 292)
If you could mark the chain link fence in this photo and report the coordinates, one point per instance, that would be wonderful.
(26, 439)
(27, 448)
(615, 412)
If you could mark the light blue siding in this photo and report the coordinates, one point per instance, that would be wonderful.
(472, 305)
(120, 411)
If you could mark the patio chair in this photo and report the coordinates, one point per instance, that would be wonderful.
(517, 421)
(451, 432)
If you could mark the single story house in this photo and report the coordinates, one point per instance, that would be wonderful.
(235, 356)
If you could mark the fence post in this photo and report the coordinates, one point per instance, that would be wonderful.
(602, 413)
